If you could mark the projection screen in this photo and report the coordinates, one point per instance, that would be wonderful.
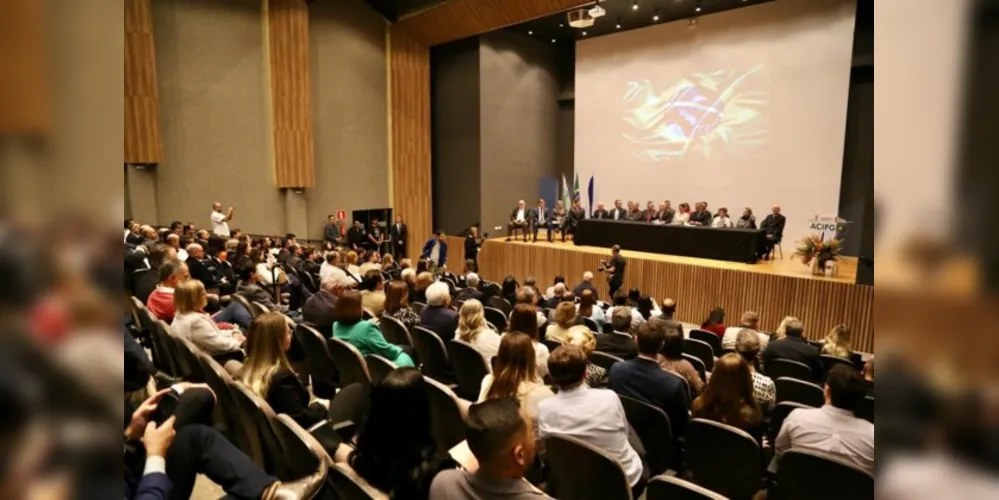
(747, 109)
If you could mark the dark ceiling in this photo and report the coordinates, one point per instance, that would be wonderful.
(394, 10)
(623, 16)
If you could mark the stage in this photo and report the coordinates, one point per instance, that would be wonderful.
(783, 287)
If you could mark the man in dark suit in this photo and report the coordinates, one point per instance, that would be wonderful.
(702, 217)
(519, 220)
(669, 310)
(773, 227)
(644, 380)
(650, 214)
(541, 217)
(318, 310)
(620, 343)
(587, 284)
(576, 215)
(472, 291)
(204, 269)
(618, 213)
(399, 235)
(666, 213)
(438, 317)
(357, 236)
(795, 348)
(601, 213)
(472, 245)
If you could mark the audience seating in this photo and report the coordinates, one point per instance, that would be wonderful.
(828, 362)
(348, 486)
(378, 367)
(446, 415)
(325, 377)
(700, 350)
(779, 415)
(258, 417)
(181, 367)
(163, 357)
(219, 381)
(500, 303)
(592, 325)
(653, 427)
(551, 344)
(193, 369)
(806, 474)
(433, 354)
(723, 459)
(604, 360)
(493, 327)
(418, 307)
(671, 488)
(310, 282)
(469, 368)
(395, 332)
(708, 338)
(797, 391)
(698, 364)
(785, 368)
(304, 454)
(580, 471)
(351, 404)
(497, 317)
(686, 386)
(866, 409)
(349, 362)
(257, 309)
(239, 299)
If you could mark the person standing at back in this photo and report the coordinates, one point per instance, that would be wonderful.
(399, 235)
(615, 269)
(794, 347)
(220, 220)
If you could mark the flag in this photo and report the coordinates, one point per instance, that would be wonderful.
(575, 191)
(566, 194)
(591, 202)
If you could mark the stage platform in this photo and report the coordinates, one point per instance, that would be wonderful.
(775, 289)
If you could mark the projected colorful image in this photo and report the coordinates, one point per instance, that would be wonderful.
(721, 114)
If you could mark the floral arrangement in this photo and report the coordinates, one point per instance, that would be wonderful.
(813, 248)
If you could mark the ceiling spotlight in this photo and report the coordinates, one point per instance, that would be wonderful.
(618, 26)
(634, 7)
(561, 25)
(698, 9)
(655, 17)
(554, 40)
(584, 33)
(692, 22)
(530, 32)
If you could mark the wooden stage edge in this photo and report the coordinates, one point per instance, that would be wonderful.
(776, 289)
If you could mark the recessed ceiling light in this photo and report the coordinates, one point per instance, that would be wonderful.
(561, 25)
(618, 26)
(530, 32)
(553, 40)
(635, 6)
(655, 17)
(584, 33)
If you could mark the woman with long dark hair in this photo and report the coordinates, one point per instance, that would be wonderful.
(729, 399)
(715, 322)
(524, 319)
(510, 287)
(516, 374)
(396, 452)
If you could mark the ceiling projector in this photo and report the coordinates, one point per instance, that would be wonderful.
(580, 19)
(597, 11)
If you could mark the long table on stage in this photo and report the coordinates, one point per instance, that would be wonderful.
(734, 245)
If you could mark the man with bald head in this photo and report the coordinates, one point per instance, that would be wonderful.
(601, 212)
(773, 227)
(587, 284)
(204, 269)
(220, 220)
(519, 221)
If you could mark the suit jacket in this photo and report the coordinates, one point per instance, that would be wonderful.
(357, 237)
(205, 271)
(674, 325)
(644, 380)
(795, 349)
(254, 293)
(332, 233)
(582, 287)
(527, 214)
(440, 320)
(575, 216)
(617, 344)
(138, 367)
(622, 214)
(536, 215)
(773, 225)
(635, 216)
(704, 218)
(471, 293)
(151, 487)
(428, 248)
(318, 310)
(650, 216)
(399, 233)
(472, 247)
(287, 395)
(667, 216)
(601, 214)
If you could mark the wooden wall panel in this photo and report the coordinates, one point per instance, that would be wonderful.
(464, 18)
(291, 93)
(821, 305)
(143, 142)
(409, 109)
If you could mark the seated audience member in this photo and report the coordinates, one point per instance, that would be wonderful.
(388, 263)
(633, 296)
(781, 332)
(557, 297)
(191, 322)
(164, 460)
(728, 398)
(715, 323)
(550, 292)
(331, 268)
(370, 264)
(794, 347)
(249, 288)
(270, 273)
(643, 379)
(352, 269)
(310, 262)
(438, 316)
(833, 430)
(620, 343)
(472, 329)
(173, 241)
(397, 305)
(596, 376)
(566, 322)
(621, 301)
(587, 284)
(646, 308)
(423, 282)
(764, 390)
(522, 320)
(516, 375)
(501, 437)
(671, 357)
(750, 321)
(373, 294)
(594, 416)
(202, 268)
(509, 289)
(472, 291)
(839, 343)
(318, 309)
(532, 283)
(869, 377)
(396, 452)
(722, 220)
(668, 312)
(529, 297)
(147, 282)
(588, 309)
(160, 301)
(408, 275)
(363, 335)
(747, 221)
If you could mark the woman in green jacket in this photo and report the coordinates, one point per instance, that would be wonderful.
(365, 336)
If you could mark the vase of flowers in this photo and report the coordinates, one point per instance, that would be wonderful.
(817, 253)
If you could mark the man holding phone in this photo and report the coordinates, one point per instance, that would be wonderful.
(614, 270)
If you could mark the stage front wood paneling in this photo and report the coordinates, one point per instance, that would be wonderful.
(697, 288)
(464, 18)
(143, 142)
(409, 94)
(291, 94)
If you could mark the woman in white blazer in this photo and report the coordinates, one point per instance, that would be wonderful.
(191, 323)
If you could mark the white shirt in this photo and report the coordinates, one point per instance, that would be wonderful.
(182, 255)
(328, 272)
(681, 219)
(636, 317)
(520, 215)
(594, 416)
(267, 276)
(219, 225)
(369, 267)
(435, 254)
(832, 431)
(722, 222)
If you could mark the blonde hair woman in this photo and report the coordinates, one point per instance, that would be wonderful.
(585, 340)
(191, 322)
(839, 343)
(565, 323)
(781, 332)
(352, 267)
(472, 328)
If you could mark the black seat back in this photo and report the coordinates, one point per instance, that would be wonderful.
(702, 351)
(433, 354)
(806, 474)
(194, 371)
(797, 391)
(418, 307)
(671, 488)
(708, 338)
(698, 365)
(500, 303)
(349, 363)
(592, 325)
(469, 368)
(829, 362)
(781, 368)
(866, 409)
(723, 459)
(349, 486)
(304, 454)
(580, 471)
(220, 382)
(325, 377)
(497, 317)
(379, 367)
(604, 360)
(653, 427)
(260, 417)
(163, 356)
(394, 331)
(445, 415)
(779, 415)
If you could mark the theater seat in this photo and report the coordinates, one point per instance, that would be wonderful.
(671, 488)
(580, 471)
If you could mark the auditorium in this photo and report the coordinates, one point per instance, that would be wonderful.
(497, 249)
